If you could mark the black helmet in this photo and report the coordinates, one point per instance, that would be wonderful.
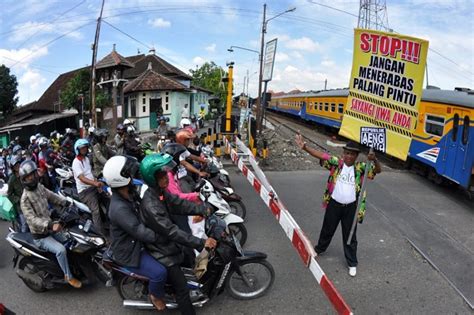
(120, 127)
(26, 168)
(175, 150)
(101, 133)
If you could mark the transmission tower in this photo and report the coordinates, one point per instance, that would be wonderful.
(373, 15)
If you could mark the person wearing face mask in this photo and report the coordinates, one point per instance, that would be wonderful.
(341, 196)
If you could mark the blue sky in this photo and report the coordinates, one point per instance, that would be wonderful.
(39, 39)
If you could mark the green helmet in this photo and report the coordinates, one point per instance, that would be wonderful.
(155, 163)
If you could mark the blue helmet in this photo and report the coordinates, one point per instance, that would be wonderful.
(79, 144)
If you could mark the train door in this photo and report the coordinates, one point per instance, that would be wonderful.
(457, 148)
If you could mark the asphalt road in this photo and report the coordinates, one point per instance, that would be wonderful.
(392, 277)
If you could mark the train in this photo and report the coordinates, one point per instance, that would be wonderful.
(442, 146)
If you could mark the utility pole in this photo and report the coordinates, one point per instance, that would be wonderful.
(260, 76)
(94, 57)
(373, 15)
(325, 84)
(228, 110)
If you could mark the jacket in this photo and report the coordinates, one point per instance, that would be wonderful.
(100, 154)
(118, 139)
(155, 210)
(34, 205)
(15, 190)
(173, 188)
(127, 232)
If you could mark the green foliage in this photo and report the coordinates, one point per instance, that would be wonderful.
(208, 76)
(8, 91)
(79, 84)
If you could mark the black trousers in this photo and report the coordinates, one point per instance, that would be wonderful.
(178, 282)
(336, 212)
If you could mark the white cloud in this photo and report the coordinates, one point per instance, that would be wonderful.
(211, 48)
(303, 43)
(279, 57)
(198, 60)
(327, 63)
(24, 56)
(159, 23)
(30, 86)
(33, 30)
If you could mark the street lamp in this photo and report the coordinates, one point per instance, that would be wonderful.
(262, 44)
(231, 49)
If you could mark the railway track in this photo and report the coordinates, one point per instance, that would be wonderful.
(325, 142)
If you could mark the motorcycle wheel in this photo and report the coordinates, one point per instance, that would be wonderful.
(240, 231)
(250, 280)
(28, 266)
(238, 208)
(132, 289)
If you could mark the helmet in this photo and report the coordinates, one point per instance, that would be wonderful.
(120, 127)
(174, 149)
(79, 144)
(162, 118)
(15, 160)
(26, 168)
(17, 138)
(119, 170)
(53, 134)
(193, 118)
(184, 122)
(32, 138)
(101, 133)
(43, 141)
(153, 163)
(130, 129)
(16, 149)
(91, 130)
(127, 122)
(183, 135)
(38, 135)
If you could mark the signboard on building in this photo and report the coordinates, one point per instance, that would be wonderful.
(385, 90)
(269, 60)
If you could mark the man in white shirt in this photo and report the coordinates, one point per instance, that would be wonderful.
(340, 198)
(87, 187)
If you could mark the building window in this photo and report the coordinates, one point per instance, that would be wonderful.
(166, 97)
(320, 106)
(340, 109)
(144, 109)
(144, 94)
(143, 100)
(326, 106)
(167, 93)
(465, 131)
(166, 106)
(434, 125)
(333, 107)
(133, 108)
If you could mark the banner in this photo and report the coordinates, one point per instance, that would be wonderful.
(384, 91)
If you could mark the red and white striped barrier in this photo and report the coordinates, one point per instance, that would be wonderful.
(293, 231)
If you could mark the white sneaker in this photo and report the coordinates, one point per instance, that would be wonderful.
(352, 271)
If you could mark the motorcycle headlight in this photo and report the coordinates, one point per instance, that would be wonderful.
(99, 241)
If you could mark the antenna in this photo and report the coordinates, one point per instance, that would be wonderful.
(373, 15)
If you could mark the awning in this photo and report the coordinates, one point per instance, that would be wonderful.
(39, 120)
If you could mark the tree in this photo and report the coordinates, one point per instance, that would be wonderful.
(209, 76)
(78, 85)
(8, 91)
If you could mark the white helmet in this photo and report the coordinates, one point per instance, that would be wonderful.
(184, 122)
(43, 141)
(32, 138)
(130, 129)
(119, 170)
(91, 130)
(127, 122)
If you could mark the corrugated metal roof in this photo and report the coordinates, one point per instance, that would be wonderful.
(39, 120)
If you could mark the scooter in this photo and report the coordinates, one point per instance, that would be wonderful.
(210, 196)
(245, 275)
(39, 269)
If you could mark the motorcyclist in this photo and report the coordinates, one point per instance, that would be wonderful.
(15, 190)
(87, 186)
(91, 135)
(131, 145)
(163, 128)
(186, 181)
(46, 158)
(101, 152)
(45, 232)
(54, 140)
(127, 233)
(32, 142)
(155, 209)
(119, 138)
(67, 146)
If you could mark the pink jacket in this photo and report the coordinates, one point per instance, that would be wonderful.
(173, 188)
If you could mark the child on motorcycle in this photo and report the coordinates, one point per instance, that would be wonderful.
(128, 234)
(155, 209)
(45, 232)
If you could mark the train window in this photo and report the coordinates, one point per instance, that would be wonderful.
(465, 131)
(340, 108)
(333, 107)
(454, 134)
(434, 125)
(326, 106)
(320, 106)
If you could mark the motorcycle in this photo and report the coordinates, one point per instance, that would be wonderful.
(39, 269)
(243, 274)
(222, 209)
